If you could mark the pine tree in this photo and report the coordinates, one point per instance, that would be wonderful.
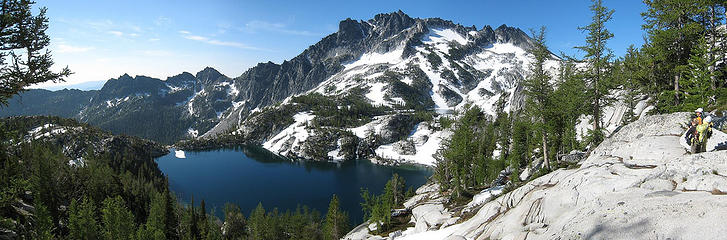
(82, 222)
(170, 214)
(204, 225)
(394, 190)
(567, 99)
(43, 222)
(257, 222)
(631, 73)
(538, 90)
(672, 29)
(713, 17)
(193, 223)
(598, 57)
(234, 225)
(155, 222)
(336, 223)
(698, 82)
(23, 39)
(118, 221)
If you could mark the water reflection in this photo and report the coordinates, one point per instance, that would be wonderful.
(247, 175)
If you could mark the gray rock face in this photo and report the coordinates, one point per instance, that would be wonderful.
(405, 147)
(396, 127)
(573, 157)
(637, 184)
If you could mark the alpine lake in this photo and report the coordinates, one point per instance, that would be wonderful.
(249, 175)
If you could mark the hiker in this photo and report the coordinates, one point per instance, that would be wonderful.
(699, 115)
(704, 131)
(691, 135)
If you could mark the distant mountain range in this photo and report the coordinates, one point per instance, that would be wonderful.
(392, 62)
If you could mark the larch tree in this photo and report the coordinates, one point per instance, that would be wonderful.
(538, 89)
(336, 222)
(598, 57)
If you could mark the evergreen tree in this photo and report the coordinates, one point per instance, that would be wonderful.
(598, 57)
(22, 40)
(394, 190)
(234, 225)
(539, 90)
(699, 79)
(672, 29)
(713, 16)
(336, 223)
(193, 223)
(631, 73)
(82, 222)
(157, 219)
(47, 167)
(567, 99)
(204, 225)
(257, 223)
(155, 222)
(43, 222)
(118, 221)
(520, 155)
(170, 214)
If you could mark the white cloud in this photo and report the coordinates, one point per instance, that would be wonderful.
(153, 39)
(184, 32)
(135, 28)
(157, 53)
(254, 26)
(64, 48)
(133, 35)
(162, 21)
(218, 42)
(116, 33)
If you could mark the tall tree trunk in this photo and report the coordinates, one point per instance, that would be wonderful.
(679, 52)
(546, 161)
(712, 43)
(676, 88)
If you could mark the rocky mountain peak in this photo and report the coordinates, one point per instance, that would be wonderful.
(350, 30)
(126, 76)
(208, 75)
(513, 35)
(389, 24)
(181, 78)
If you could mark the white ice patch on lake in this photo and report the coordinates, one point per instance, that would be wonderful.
(179, 154)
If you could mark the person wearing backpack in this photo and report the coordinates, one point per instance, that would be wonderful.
(704, 131)
(691, 135)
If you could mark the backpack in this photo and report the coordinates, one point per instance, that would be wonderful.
(691, 134)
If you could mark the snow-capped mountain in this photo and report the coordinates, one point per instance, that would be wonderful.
(400, 65)
(387, 71)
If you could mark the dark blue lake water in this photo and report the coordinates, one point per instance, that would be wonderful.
(248, 175)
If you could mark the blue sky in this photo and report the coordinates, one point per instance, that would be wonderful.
(104, 39)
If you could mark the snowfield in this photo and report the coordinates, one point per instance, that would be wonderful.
(294, 135)
(426, 141)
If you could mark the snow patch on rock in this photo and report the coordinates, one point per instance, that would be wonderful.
(426, 142)
(292, 136)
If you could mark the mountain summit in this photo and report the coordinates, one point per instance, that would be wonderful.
(390, 60)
